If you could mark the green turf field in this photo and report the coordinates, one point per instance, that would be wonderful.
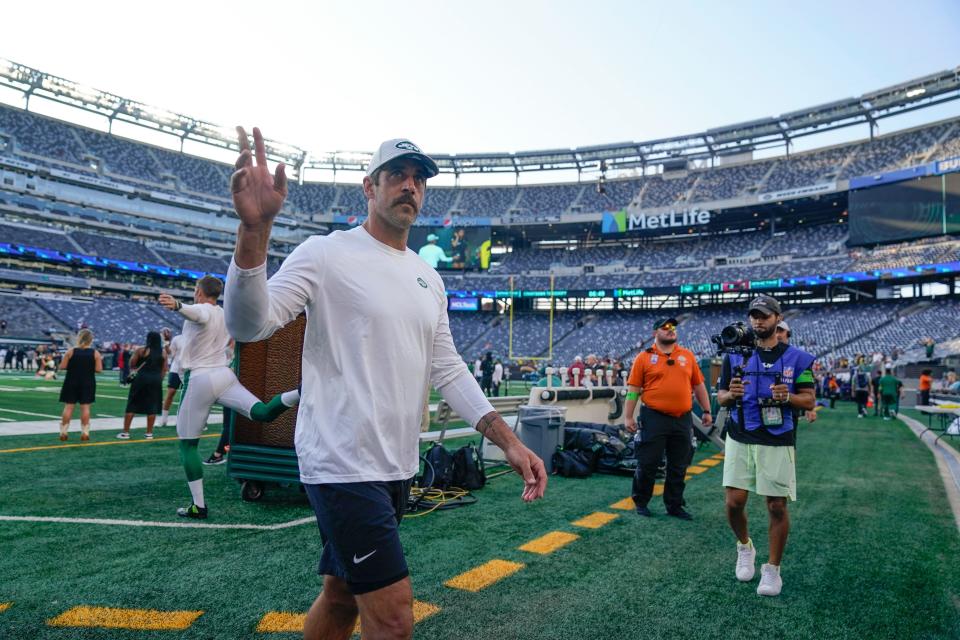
(873, 552)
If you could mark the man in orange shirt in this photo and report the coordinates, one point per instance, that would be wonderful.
(926, 383)
(668, 376)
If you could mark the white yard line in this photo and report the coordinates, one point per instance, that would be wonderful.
(97, 424)
(29, 413)
(150, 523)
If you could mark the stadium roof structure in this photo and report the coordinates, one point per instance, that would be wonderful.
(743, 137)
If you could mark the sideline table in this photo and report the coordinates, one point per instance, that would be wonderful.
(944, 412)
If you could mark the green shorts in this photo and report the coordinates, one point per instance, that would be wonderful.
(761, 469)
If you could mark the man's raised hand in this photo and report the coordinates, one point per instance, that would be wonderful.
(257, 195)
(168, 301)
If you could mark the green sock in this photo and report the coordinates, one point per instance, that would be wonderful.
(267, 411)
(190, 459)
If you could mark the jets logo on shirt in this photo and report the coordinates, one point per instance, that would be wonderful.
(422, 282)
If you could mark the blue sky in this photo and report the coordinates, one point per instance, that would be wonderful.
(491, 76)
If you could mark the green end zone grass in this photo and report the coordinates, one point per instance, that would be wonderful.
(873, 552)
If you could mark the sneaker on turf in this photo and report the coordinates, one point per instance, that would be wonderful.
(123, 435)
(770, 580)
(746, 561)
(644, 511)
(215, 459)
(193, 511)
(148, 436)
(680, 513)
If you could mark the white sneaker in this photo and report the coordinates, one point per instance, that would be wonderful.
(148, 436)
(770, 580)
(746, 557)
(123, 435)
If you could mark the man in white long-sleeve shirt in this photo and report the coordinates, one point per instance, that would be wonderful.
(208, 380)
(377, 333)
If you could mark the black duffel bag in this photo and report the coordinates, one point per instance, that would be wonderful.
(571, 463)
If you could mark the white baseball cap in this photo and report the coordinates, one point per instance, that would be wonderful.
(401, 148)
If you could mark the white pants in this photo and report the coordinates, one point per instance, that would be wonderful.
(204, 388)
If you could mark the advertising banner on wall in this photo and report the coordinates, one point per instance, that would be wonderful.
(624, 222)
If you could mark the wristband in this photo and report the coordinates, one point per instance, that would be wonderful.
(633, 395)
(179, 305)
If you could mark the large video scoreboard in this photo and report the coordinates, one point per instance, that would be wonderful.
(918, 208)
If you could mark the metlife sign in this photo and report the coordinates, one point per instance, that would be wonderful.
(622, 221)
(669, 220)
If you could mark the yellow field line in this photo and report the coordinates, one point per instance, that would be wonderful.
(627, 504)
(282, 622)
(98, 444)
(4, 606)
(695, 469)
(483, 576)
(595, 520)
(139, 619)
(709, 462)
(549, 543)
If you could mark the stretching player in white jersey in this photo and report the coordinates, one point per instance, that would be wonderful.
(208, 380)
(173, 348)
(377, 336)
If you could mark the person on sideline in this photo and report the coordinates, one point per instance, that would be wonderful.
(172, 350)
(924, 387)
(82, 364)
(668, 376)
(207, 381)
(377, 336)
(783, 335)
(762, 392)
(148, 364)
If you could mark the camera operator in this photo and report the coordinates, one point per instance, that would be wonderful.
(762, 391)
(669, 376)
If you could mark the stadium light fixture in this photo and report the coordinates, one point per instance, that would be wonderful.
(916, 92)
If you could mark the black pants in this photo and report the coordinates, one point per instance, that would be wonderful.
(661, 432)
(862, 396)
(924, 397)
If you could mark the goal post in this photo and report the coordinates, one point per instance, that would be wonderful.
(553, 305)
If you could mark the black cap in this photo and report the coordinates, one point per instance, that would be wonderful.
(765, 305)
(660, 323)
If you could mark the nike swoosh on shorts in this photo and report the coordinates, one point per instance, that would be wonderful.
(357, 560)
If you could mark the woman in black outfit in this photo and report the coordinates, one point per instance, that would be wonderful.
(147, 367)
(82, 363)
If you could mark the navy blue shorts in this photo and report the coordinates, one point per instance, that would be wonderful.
(359, 527)
(173, 380)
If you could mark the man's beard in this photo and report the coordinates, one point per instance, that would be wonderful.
(668, 341)
(763, 334)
